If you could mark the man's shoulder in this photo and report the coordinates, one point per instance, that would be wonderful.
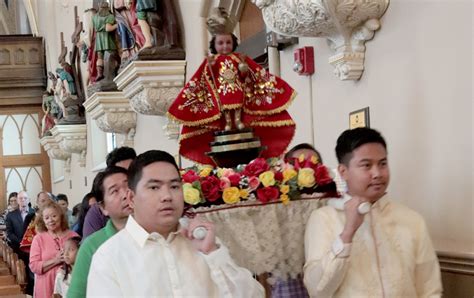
(109, 246)
(405, 214)
(95, 240)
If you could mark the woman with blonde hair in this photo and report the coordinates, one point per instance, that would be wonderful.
(47, 249)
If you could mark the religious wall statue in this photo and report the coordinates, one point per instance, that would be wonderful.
(159, 23)
(87, 45)
(129, 32)
(65, 93)
(106, 49)
(51, 112)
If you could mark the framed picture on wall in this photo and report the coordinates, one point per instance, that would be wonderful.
(359, 118)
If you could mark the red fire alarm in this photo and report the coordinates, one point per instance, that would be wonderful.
(304, 61)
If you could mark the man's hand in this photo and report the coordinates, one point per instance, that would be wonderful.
(206, 245)
(353, 218)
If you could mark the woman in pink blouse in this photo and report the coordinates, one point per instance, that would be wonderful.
(47, 249)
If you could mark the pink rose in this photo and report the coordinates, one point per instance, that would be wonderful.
(224, 183)
(267, 194)
(253, 183)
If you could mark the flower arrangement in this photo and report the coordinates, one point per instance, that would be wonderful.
(261, 180)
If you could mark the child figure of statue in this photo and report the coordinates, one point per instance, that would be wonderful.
(230, 91)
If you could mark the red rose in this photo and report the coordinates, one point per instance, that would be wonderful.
(266, 194)
(256, 167)
(190, 176)
(321, 175)
(210, 188)
(234, 179)
(279, 176)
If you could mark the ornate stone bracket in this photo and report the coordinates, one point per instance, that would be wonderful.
(72, 139)
(151, 86)
(55, 152)
(113, 113)
(347, 24)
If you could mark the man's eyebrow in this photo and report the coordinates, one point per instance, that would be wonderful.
(163, 181)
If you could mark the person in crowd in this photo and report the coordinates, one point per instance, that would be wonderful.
(87, 202)
(63, 201)
(63, 277)
(15, 218)
(96, 219)
(12, 202)
(16, 223)
(303, 149)
(47, 249)
(152, 241)
(111, 189)
(383, 251)
(121, 157)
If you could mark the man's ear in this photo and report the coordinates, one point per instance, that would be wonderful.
(342, 169)
(131, 197)
(102, 208)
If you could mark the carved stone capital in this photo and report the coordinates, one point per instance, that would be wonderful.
(112, 112)
(52, 148)
(72, 139)
(151, 86)
(347, 24)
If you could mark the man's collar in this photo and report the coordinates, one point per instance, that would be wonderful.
(140, 235)
(339, 203)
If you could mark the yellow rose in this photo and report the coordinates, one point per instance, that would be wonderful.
(244, 194)
(306, 177)
(284, 189)
(231, 195)
(191, 195)
(285, 199)
(314, 159)
(301, 158)
(205, 172)
(288, 174)
(267, 178)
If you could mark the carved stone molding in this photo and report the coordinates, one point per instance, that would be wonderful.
(151, 86)
(347, 24)
(55, 152)
(113, 113)
(72, 139)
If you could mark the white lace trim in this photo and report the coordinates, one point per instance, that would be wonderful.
(265, 238)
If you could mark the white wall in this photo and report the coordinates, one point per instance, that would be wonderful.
(418, 85)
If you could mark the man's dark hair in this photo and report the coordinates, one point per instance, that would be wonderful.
(98, 184)
(12, 194)
(352, 139)
(212, 43)
(61, 197)
(136, 168)
(119, 154)
(302, 146)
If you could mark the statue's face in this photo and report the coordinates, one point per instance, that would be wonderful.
(224, 44)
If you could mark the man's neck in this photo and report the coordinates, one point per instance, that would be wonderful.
(119, 223)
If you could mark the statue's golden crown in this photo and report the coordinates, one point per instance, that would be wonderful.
(219, 22)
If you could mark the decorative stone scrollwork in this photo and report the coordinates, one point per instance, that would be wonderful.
(55, 152)
(72, 139)
(151, 86)
(113, 113)
(347, 24)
